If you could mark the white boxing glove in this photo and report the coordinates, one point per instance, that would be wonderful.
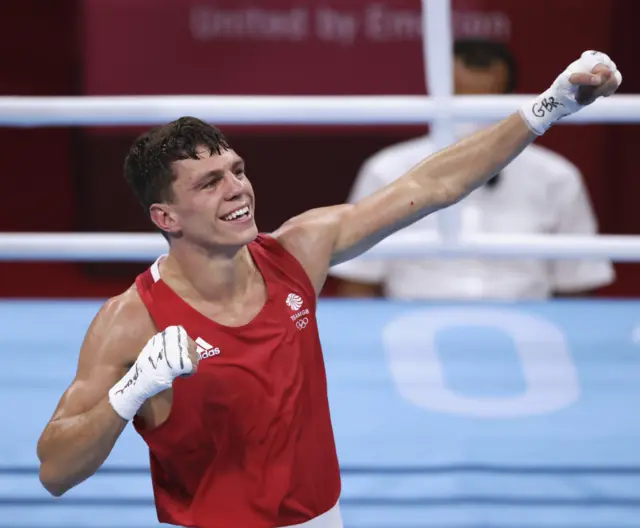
(163, 359)
(560, 99)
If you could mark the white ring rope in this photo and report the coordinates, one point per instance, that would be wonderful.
(16, 111)
(438, 68)
(144, 247)
(48, 111)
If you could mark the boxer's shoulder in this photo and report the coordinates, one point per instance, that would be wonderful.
(121, 327)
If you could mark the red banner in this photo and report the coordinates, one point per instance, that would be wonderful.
(275, 47)
(313, 46)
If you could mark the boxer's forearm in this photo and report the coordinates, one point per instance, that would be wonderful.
(448, 176)
(72, 449)
(439, 181)
(454, 172)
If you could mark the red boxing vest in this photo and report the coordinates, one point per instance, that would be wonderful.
(249, 441)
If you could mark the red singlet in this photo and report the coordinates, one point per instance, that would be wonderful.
(249, 441)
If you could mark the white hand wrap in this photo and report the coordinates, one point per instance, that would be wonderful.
(164, 358)
(560, 99)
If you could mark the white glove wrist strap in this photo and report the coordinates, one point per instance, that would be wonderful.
(543, 112)
(127, 396)
(164, 357)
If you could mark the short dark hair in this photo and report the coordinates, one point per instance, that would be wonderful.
(480, 53)
(147, 166)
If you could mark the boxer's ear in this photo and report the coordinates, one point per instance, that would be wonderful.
(164, 217)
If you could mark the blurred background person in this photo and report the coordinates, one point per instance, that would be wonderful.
(541, 192)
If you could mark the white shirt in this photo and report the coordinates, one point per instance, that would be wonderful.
(540, 192)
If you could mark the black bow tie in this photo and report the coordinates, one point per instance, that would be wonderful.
(493, 182)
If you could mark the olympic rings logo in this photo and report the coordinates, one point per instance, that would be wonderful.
(302, 323)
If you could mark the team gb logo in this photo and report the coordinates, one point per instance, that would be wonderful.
(294, 301)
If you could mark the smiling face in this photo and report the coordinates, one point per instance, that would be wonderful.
(213, 201)
(193, 185)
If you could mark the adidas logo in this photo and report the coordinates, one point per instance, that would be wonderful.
(205, 350)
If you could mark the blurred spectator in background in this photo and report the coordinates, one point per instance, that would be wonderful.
(538, 193)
